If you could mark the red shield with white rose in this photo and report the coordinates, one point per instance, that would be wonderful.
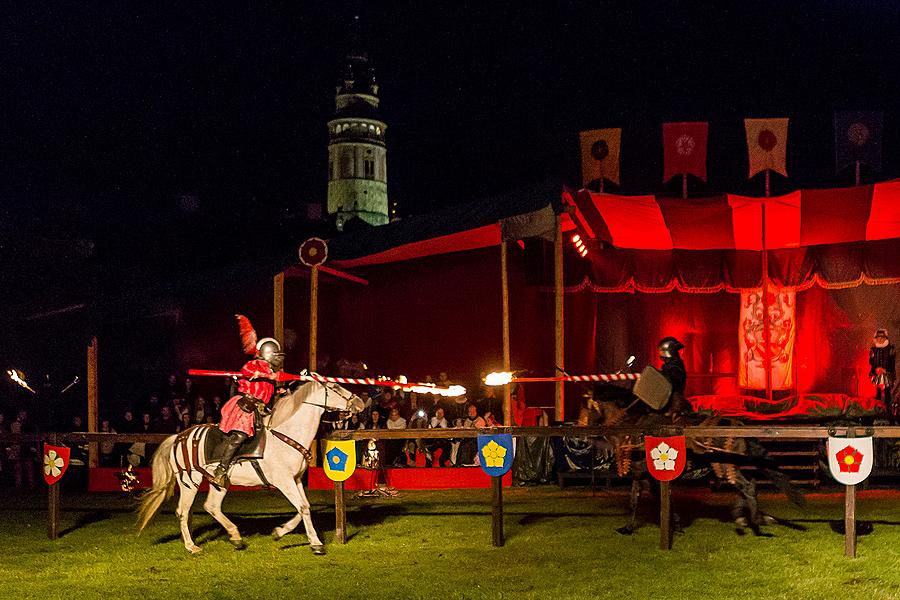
(56, 461)
(850, 459)
(666, 456)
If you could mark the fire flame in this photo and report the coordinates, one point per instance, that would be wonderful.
(18, 377)
(498, 378)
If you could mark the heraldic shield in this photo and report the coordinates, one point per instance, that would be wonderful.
(495, 453)
(340, 459)
(56, 461)
(850, 459)
(666, 456)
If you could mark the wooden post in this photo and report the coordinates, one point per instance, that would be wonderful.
(497, 512)
(52, 498)
(767, 330)
(504, 284)
(684, 190)
(850, 521)
(278, 308)
(313, 315)
(93, 402)
(340, 514)
(665, 516)
(857, 172)
(560, 303)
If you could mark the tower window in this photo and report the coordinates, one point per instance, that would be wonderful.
(370, 168)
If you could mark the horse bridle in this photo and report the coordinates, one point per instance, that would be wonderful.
(342, 414)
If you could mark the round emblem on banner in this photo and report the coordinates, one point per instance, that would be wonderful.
(858, 134)
(684, 145)
(600, 150)
(767, 140)
(313, 252)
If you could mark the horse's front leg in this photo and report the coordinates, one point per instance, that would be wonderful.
(293, 491)
(213, 506)
(634, 499)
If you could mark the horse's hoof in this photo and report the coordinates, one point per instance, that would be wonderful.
(741, 522)
(275, 535)
(318, 550)
(194, 549)
(626, 530)
(238, 544)
(769, 520)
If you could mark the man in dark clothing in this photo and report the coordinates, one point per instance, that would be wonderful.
(883, 371)
(673, 370)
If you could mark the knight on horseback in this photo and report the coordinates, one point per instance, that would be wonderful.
(673, 370)
(255, 391)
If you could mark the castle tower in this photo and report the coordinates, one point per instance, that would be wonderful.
(357, 155)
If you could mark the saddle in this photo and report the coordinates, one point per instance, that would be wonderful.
(252, 448)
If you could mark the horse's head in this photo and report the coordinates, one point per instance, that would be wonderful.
(339, 402)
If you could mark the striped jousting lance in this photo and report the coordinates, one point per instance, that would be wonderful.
(503, 377)
(419, 388)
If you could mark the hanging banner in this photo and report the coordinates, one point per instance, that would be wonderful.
(857, 137)
(767, 145)
(666, 456)
(850, 459)
(340, 459)
(56, 461)
(495, 453)
(684, 149)
(782, 329)
(600, 155)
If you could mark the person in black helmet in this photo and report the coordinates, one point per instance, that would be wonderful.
(673, 370)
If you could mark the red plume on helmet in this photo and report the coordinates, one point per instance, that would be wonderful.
(248, 335)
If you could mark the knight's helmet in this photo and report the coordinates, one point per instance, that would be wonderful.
(669, 347)
(269, 350)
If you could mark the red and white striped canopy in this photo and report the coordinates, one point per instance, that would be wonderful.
(802, 218)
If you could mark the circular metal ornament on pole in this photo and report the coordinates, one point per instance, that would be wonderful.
(313, 252)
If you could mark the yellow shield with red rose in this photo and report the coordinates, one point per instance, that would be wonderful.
(666, 456)
(850, 459)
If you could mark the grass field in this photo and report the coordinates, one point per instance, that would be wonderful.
(437, 545)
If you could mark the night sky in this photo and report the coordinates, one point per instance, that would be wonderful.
(111, 110)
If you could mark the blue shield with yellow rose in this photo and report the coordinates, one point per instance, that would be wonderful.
(495, 453)
(340, 459)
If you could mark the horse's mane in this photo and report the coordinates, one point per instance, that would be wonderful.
(287, 405)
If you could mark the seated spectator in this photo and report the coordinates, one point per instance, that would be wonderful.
(200, 410)
(438, 420)
(394, 448)
(387, 402)
(489, 420)
(167, 422)
(468, 447)
(107, 449)
(216, 408)
(185, 421)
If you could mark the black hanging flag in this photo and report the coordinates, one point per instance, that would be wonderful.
(857, 137)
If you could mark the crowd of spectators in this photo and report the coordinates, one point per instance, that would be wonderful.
(390, 409)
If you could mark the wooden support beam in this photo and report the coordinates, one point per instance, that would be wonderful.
(313, 316)
(93, 401)
(52, 499)
(278, 308)
(504, 286)
(560, 413)
(497, 512)
(850, 521)
(340, 514)
(665, 515)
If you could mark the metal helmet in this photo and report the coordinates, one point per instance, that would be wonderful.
(669, 347)
(269, 350)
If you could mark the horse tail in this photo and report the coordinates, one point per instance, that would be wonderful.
(163, 484)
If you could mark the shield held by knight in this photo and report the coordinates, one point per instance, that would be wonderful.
(666, 456)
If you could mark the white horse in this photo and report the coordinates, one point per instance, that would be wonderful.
(289, 433)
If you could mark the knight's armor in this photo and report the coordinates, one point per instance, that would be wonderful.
(254, 393)
(673, 370)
